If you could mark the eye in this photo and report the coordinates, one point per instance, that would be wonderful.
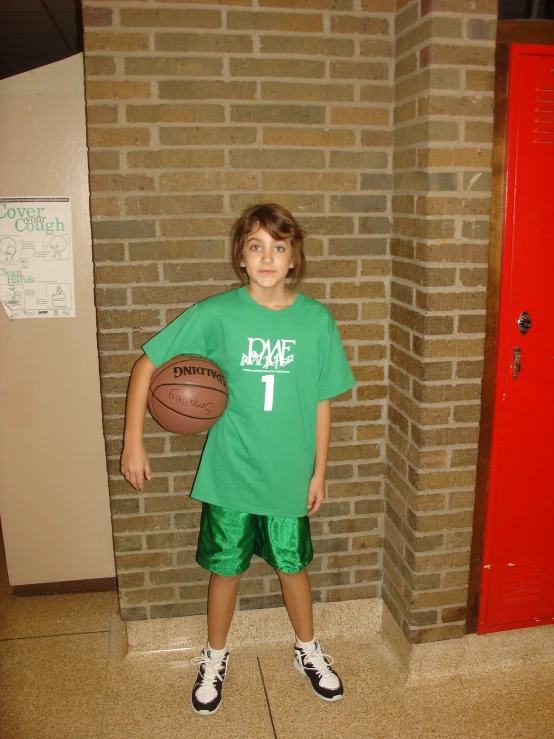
(254, 247)
(279, 247)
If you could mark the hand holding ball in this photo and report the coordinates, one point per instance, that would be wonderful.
(187, 395)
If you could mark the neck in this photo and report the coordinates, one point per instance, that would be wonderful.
(275, 298)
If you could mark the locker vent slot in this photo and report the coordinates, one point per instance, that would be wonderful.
(524, 582)
(543, 120)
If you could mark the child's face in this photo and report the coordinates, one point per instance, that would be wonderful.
(267, 261)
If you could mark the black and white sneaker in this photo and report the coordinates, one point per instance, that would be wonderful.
(316, 665)
(206, 693)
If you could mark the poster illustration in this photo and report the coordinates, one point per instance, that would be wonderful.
(36, 258)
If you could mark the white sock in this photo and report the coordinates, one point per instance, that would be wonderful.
(308, 646)
(216, 653)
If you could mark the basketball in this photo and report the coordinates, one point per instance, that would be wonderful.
(187, 395)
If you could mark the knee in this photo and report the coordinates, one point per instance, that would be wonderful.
(225, 579)
(287, 576)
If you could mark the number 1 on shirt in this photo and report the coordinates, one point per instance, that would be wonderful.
(269, 387)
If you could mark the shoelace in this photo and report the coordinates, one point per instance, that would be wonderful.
(211, 669)
(319, 662)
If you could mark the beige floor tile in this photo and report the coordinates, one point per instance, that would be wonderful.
(47, 615)
(53, 687)
(508, 704)
(369, 708)
(150, 697)
(516, 703)
(435, 709)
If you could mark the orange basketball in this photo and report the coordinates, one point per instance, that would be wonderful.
(187, 395)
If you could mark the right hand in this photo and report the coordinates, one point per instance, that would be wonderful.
(135, 466)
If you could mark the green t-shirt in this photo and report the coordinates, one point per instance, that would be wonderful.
(259, 457)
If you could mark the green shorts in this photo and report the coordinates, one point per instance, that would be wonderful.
(228, 539)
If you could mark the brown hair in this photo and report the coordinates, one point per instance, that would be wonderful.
(279, 224)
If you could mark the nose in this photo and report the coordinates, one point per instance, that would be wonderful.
(267, 256)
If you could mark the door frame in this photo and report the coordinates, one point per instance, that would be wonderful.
(508, 32)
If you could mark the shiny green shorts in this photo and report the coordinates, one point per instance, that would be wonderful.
(228, 539)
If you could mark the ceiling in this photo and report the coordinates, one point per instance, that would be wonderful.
(38, 32)
(513, 9)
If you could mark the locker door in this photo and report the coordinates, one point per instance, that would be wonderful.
(518, 579)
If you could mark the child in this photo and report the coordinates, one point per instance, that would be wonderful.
(262, 474)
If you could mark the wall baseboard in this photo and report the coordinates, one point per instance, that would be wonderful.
(467, 655)
(353, 619)
(96, 585)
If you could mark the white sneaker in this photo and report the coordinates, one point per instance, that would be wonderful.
(206, 693)
(316, 665)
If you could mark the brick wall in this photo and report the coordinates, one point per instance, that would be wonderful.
(442, 181)
(198, 109)
(194, 111)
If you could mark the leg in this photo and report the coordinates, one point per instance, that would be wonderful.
(212, 663)
(297, 594)
(222, 596)
(309, 658)
(225, 544)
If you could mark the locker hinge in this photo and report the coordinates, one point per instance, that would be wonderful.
(486, 567)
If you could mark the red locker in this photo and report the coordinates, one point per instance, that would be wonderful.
(518, 575)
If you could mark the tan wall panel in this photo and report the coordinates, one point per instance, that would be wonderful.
(54, 502)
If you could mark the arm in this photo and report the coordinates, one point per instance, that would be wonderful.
(134, 462)
(316, 490)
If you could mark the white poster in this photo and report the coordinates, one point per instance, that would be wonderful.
(36, 258)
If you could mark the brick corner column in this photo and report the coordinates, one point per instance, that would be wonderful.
(441, 202)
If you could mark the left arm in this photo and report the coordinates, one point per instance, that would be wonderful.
(316, 489)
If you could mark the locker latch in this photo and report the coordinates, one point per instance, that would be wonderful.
(516, 367)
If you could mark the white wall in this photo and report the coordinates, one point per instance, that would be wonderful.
(54, 502)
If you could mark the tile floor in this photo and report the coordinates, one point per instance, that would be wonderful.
(64, 674)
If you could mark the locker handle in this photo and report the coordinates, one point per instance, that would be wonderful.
(516, 367)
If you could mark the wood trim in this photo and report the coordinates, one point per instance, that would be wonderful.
(525, 32)
(99, 584)
(508, 32)
(491, 334)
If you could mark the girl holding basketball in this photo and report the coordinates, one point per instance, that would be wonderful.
(262, 473)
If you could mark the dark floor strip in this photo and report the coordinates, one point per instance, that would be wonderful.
(267, 698)
(51, 636)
